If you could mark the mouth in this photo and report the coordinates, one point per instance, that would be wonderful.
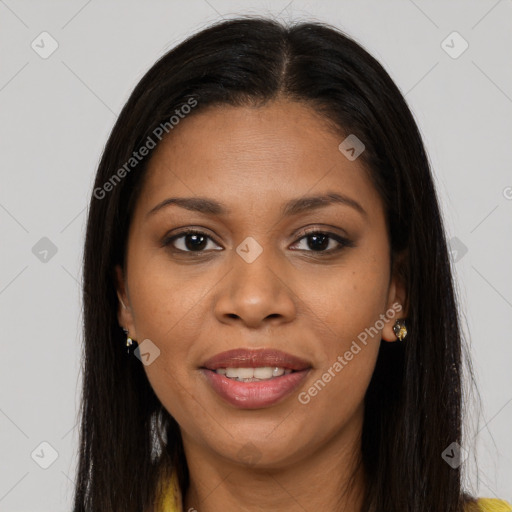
(258, 374)
(263, 360)
(253, 379)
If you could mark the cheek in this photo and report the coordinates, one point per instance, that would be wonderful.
(338, 388)
(167, 301)
(347, 308)
(179, 396)
(169, 311)
(350, 346)
(350, 298)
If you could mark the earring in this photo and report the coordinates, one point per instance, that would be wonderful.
(400, 329)
(131, 344)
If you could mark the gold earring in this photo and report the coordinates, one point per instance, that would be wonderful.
(400, 329)
(131, 344)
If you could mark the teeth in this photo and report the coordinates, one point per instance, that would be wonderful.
(267, 372)
(241, 373)
(253, 374)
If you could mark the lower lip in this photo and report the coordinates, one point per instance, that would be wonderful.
(255, 395)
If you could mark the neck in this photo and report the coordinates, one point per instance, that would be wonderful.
(317, 479)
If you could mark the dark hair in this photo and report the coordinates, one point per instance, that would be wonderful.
(413, 403)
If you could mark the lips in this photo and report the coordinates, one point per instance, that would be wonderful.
(255, 395)
(255, 358)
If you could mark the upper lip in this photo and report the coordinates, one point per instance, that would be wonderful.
(251, 358)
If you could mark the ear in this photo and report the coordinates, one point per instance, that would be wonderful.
(124, 312)
(397, 300)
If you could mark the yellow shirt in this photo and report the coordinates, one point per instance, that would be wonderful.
(172, 500)
(494, 505)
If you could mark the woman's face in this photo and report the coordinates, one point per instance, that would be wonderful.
(254, 279)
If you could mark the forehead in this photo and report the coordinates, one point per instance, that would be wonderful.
(252, 154)
(278, 131)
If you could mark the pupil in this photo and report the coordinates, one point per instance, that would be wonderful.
(320, 242)
(195, 245)
(323, 239)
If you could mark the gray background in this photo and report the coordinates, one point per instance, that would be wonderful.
(56, 116)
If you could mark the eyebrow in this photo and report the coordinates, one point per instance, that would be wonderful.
(292, 207)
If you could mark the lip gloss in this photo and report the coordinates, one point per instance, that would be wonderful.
(254, 395)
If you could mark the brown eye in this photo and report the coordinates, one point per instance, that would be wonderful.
(188, 241)
(324, 242)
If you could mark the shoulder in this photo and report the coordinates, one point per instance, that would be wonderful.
(490, 505)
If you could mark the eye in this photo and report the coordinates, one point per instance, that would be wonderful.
(322, 242)
(193, 241)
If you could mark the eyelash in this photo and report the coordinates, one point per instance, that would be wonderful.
(344, 242)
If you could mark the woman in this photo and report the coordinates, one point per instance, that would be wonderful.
(270, 319)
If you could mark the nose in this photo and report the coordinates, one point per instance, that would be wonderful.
(256, 293)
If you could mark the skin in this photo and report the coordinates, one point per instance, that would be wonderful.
(193, 306)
